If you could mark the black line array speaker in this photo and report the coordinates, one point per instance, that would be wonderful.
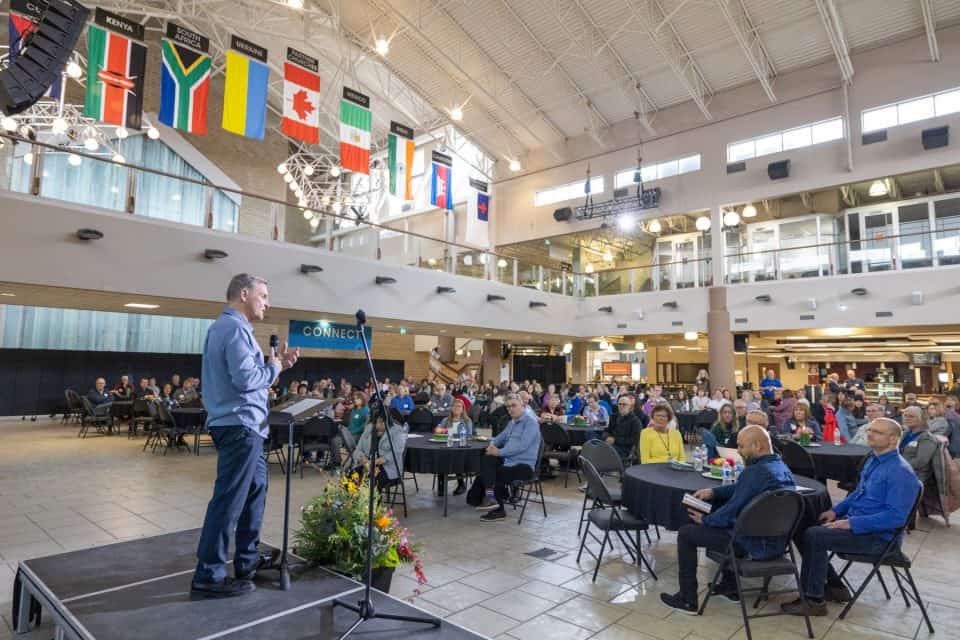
(935, 138)
(740, 342)
(563, 214)
(779, 170)
(45, 54)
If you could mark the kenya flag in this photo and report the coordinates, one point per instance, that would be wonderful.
(115, 70)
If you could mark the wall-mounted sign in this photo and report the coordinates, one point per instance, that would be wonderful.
(325, 335)
(617, 369)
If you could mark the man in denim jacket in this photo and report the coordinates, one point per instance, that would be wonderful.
(764, 471)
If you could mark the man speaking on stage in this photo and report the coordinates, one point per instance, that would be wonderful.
(235, 383)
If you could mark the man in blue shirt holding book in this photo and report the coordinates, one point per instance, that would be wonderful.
(764, 471)
(864, 522)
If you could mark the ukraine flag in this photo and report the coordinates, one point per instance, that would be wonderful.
(245, 96)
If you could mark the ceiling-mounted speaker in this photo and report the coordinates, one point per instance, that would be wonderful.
(779, 170)
(563, 214)
(740, 342)
(935, 138)
(44, 55)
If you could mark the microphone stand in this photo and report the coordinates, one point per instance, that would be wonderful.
(364, 608)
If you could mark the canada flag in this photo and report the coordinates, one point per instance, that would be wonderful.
(301, 103)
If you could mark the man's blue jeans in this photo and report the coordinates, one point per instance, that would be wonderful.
(818, 542)
(239, 497)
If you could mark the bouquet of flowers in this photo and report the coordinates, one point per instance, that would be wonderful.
(716, 465)
(333, 531)
(804, 435)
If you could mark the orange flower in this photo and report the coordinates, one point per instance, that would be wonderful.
(383, 522)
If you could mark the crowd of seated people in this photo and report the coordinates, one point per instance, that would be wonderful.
(172, 393)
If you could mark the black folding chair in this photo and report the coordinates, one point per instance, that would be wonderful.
(798, 459)
(141, 417)
(613, 518)
(348, 441)
(530, 487)
(171, 434)
(100, 418)
(394, 492)
(317, 435)
(557, 447)
(891, 556)
(772, 514)
(607, 462)
(74, 406)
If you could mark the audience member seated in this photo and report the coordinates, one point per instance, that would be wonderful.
(597, 416)
(936, 419)
(763, 471)
(574, 406)
(700, 401)
(99, 394)
(175, 382)
(872, 412)
(402, 402)
(456, 423)
(726, 427)
(918, 445)
(741, 408)
(654, 399)
(441, 400)
(144, 391)
(528, 400)
(359, 414)
(953, 419)
(801, 419)
(769, 385)
(864, 522)
(846, 422)
(658, 443)
(717, 401)
(751, 402)
(781, 409)
(852, 383)
(682, 403)
(554, 409)
(187, 396)
(154, 387)
(385, 467)
(166, 394)
(124, 390)
(511, 456)
(623, 432)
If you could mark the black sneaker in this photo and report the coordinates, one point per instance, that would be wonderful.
(487, 505)
(677, 603)
(812, 608)
(460, 490)
(838, 593)
(265, 561)
(726, 591)
(226, 589)
(494, 516)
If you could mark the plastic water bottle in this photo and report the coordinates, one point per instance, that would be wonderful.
(449, 438)
(406, 428)
(737, 470)
(698, 460)
(727, 473)
(463, 436)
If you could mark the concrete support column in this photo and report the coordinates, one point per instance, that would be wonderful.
(720, 340)
(580, 366)
(716, 247)
(447, 347)
(490, 361)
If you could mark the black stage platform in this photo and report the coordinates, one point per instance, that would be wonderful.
(141, 589)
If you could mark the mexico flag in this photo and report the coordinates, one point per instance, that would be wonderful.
(400, 159)
(116, 61)
(355, 125)
(301, 97)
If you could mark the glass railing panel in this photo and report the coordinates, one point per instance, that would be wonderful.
(802, 262)
(528, 275)
(589, 285)
(502, 269)
(946, 246)
(472, 264)
(613, 282)
(80, 180)
(431, 254)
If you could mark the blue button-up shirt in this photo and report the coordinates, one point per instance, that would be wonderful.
(884, 497)
(766, 473)
(235, 376)
(520, 441)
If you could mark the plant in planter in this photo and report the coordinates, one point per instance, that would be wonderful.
(333, 533)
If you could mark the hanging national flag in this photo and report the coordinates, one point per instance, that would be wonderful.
(301, 97)
(355, 125)
(25, 16)
(400, 160)
(441, 192)
(185, 80)
(245, 89)
(116, 62)
(478, 215)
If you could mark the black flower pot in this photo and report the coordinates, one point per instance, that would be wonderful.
(382, 577)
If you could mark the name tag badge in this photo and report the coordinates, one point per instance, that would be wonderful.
(913, 445)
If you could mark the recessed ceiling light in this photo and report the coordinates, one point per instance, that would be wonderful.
(389, 326)
(12, 295)
(324, 323)
(141, 305)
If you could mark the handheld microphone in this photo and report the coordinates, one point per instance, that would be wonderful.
(274, 343)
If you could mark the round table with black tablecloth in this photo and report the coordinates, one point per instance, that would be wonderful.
(838, 462)
(654, 492)
(191, 420)
(423, 456)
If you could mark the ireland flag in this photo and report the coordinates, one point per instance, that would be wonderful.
(400, 159)
(355, 124)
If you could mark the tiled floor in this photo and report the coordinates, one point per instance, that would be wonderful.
(61, 493)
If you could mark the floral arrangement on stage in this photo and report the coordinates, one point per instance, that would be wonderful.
(333, 532)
